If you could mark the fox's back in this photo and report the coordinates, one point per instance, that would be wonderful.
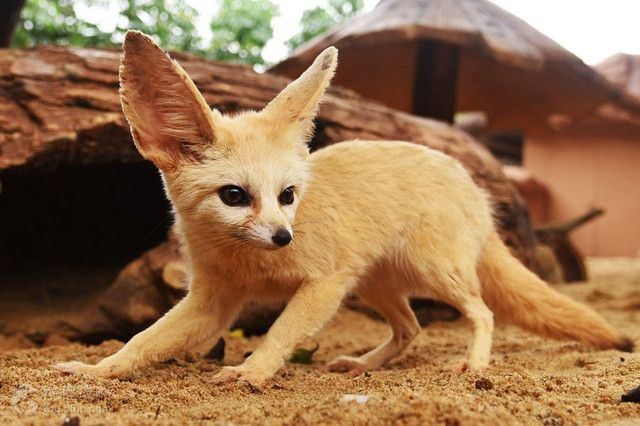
(364, 196)
(392, 178)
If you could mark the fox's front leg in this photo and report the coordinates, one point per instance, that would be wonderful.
(192, 321)
(310, 308)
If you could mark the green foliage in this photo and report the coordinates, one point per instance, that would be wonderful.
(320, 19)
(303, 356)
(172, 23)
(241, 29)
(55, 22)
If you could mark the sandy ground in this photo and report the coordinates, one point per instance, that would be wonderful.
(531, 380)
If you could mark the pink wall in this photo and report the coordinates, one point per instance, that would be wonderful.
(590, 169)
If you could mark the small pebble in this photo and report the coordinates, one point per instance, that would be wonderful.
(632, 396)
(360, 399)
(71, 421)
(484, 384)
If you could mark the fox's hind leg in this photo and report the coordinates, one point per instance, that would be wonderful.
(462, 290)
(479, 350)
(394, 307)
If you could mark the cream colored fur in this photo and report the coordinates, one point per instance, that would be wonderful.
(386, 220)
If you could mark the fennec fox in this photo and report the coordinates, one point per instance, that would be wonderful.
(262, 219)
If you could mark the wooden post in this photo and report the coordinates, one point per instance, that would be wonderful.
(436, 80)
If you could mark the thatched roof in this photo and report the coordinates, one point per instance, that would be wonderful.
(477, 24)
(623, 71)
(481, 27)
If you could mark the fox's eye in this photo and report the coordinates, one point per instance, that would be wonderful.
(234, 196)
(287, 196)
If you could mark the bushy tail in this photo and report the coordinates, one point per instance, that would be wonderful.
(518, 296)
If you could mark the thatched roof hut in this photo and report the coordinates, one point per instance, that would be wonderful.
(438, 57)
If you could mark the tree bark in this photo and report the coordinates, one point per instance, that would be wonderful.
(9, 17)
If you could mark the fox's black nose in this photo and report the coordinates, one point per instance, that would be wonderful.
(282, 237)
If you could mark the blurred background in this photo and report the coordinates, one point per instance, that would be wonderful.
(593, 30)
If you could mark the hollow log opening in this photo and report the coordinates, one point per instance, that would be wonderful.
(67, 232)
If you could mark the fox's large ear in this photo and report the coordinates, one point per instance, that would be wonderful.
(298, 102)
(170, 120)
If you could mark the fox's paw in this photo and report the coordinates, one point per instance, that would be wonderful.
(241, 373)
(77, 367)
(459, 367)
(349, 365)
(464, 365)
